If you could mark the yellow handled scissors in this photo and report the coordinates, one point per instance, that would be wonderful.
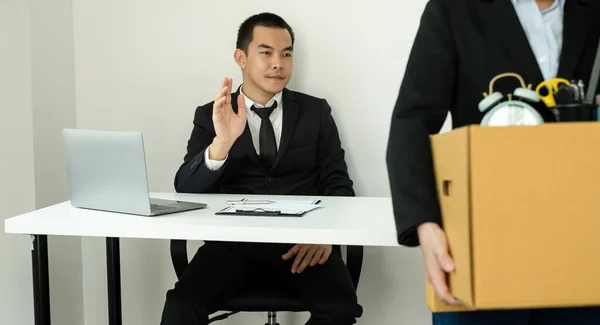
(551, 87)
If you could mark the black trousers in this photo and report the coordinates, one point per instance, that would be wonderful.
(220, 269)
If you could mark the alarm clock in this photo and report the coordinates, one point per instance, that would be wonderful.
(514, 111)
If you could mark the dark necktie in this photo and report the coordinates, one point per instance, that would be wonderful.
(268, 145)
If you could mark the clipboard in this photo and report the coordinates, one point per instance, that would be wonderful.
(259, 212)
(276, 209)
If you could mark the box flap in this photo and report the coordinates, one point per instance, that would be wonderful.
(451, 164)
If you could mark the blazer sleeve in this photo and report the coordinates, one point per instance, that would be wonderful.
(333, 175)
(193, 176)
(425, 96)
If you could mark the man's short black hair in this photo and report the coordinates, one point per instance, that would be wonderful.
(265, 19)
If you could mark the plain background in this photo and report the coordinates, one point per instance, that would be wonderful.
(145, 65)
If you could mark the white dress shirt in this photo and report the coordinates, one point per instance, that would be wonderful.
(544, 30)
(254, 121)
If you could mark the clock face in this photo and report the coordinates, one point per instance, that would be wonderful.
(512, 113)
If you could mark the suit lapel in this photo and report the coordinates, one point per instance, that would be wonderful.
(290, 115)
(246, 138)
(574, 36)
(507, 28)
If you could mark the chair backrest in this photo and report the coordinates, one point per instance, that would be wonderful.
(179, 256)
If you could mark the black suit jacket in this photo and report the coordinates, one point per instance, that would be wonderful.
(310, 159)
(459, 47)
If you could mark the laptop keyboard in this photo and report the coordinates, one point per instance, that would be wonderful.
(161, 208)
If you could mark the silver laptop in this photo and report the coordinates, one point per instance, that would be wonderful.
(107, 171)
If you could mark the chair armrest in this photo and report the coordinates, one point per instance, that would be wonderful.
(179, 255)
(354, 260)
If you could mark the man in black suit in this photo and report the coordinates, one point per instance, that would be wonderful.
(460, 46)
(264, 139)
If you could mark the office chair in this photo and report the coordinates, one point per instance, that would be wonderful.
(267, 298)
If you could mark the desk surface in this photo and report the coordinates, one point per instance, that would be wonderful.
(363, 221)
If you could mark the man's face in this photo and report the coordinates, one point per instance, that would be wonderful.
(268, 63)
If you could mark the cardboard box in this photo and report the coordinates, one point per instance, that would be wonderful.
(521, 209)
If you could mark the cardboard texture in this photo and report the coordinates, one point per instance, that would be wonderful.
(521, 209)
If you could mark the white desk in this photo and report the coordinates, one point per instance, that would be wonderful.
(340, 220)
(355, 221)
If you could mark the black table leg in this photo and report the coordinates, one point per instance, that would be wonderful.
(113, 263)
(41, 281)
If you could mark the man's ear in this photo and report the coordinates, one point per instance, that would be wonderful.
(240, 58)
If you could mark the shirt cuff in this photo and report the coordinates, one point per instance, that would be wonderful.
(213, 165)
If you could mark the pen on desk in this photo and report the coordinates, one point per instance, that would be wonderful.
(241, 202)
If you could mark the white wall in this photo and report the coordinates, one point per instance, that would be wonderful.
(17, 194)
(36, 101)
(145, 66)
(53, 99)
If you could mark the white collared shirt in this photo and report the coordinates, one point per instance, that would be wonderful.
(544, 30)
(254, 121)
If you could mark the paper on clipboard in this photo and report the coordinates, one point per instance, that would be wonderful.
(276, 208)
